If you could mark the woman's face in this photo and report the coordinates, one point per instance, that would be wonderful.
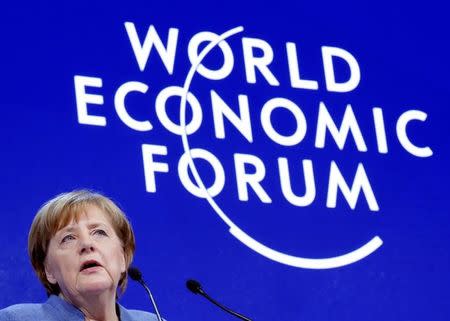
(86, 256)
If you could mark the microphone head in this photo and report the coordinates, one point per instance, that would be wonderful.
(194, 286)
(134, 273)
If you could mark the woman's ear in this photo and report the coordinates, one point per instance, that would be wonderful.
(49, 275)
(123, 264)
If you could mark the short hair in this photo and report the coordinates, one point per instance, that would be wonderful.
(58, 213)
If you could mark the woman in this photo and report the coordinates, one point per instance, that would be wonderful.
(80, 245)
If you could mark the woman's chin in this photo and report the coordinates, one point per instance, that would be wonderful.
(95, 287)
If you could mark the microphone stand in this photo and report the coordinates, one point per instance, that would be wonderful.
(196, 288)
(238, 315)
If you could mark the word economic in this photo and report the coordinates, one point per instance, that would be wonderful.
(254, 64)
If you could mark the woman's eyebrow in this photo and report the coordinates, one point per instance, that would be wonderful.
(68, 228)
(96, 224)
(74, 227)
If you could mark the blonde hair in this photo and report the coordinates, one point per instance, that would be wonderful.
(59, 212)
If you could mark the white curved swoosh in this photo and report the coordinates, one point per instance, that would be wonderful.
(301, 262)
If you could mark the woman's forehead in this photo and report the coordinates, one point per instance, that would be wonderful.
(87, 214)
(88, 224)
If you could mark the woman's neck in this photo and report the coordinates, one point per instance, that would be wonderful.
(96, 307)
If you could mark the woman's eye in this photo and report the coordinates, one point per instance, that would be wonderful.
(100, 232)
(67, 238)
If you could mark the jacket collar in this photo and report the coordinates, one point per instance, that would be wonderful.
(72, 313)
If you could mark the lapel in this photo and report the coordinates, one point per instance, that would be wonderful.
(65, 310)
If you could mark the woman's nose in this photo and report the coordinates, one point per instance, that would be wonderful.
(86, 244)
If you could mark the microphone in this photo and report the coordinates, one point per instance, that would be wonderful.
(136, 275)
(196, 288)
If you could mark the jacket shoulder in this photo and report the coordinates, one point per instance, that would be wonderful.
(136, 315)
(24, 312)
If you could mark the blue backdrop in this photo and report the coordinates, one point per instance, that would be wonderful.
(383, 56)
